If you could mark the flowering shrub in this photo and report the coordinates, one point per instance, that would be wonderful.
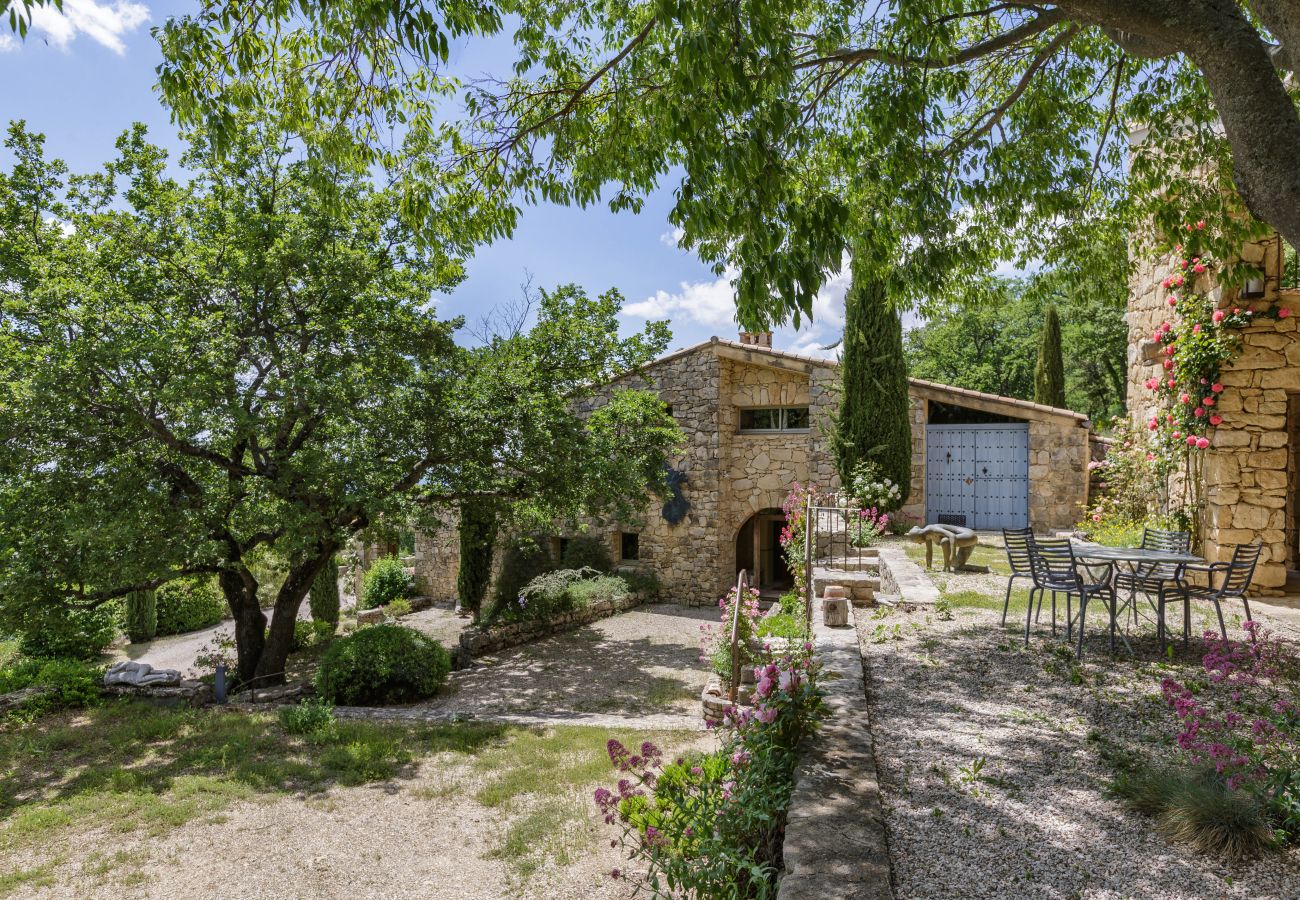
(717, 640)
(794, 534)
(872, 489)
(710, 825)
(1241, 718)
(866, 526)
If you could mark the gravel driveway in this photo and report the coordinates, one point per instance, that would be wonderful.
(991, 773)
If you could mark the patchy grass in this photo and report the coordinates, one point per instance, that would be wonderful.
(127, 766)
(549, 774)
(993, 557)
(972, 599)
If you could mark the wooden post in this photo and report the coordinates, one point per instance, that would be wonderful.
(810, 526)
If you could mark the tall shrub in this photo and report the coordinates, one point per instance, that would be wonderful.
(1049, 373)
(873, 419)
(141, 616)
(189, 604)
(524, 560)
(325, 595)
(478, 537)
(385, 581)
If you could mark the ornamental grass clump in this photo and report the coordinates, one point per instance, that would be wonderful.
(1236, 791)
(711, 825)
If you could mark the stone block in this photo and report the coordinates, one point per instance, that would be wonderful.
(1267, 459)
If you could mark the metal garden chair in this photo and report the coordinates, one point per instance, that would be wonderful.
(1236, 575)
(1152, 578)
(1017, 546)
(1057, 570)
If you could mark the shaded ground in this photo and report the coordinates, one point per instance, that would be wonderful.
(992, 757)
(130, 800)
(640, 663)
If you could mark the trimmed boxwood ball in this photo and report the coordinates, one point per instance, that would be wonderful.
(380, 665)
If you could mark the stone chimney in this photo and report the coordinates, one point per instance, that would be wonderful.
(756, 339)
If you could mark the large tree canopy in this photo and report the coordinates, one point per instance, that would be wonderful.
(193, 372)
(936, 134)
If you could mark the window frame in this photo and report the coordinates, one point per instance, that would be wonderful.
(782, 418)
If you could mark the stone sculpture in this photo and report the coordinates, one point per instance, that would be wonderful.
(956, 542)
(138, 674)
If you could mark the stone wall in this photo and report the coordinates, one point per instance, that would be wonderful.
(477, 641)
(1249, 471)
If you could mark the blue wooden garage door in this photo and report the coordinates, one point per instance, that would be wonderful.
(978, 471)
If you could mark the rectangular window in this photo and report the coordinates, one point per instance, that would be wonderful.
(630, 545)
(776, 418)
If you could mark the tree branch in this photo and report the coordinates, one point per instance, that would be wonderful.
(1035, 26)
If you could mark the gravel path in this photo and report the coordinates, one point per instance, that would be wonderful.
(638, 664)
(990, 767)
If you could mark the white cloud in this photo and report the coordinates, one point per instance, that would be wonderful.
(672, 237)
(8, 43)
(103, 23)
(701, 302)
(713, 305)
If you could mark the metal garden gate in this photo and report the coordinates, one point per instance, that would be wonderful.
(979, 472)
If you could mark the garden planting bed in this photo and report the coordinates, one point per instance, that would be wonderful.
(997, 761)
(477, 641)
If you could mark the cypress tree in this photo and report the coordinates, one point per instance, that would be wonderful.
(325, 595)
(1049, 372)
(873, 418)
(478, 536)
(141, 616)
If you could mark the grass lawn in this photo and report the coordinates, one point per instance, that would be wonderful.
(993, 557)
(80, 790)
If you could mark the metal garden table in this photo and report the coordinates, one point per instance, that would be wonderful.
(1133, 557)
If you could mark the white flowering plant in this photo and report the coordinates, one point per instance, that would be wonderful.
(872, 490)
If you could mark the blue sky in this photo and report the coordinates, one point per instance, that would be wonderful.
(83, 76)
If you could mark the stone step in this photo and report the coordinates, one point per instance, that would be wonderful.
(860, 587)
(850, 563)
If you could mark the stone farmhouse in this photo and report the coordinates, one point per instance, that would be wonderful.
(755, 420)
(1251, 467)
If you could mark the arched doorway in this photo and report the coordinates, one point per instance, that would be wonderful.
(758, 551)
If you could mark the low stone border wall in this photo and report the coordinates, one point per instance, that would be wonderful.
(901, 577)
(477, 641)
(835, 845)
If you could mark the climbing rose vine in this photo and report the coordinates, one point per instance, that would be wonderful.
(1196, 342)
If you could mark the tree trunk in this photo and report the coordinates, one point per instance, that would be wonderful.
(270, 665)
(240, 590)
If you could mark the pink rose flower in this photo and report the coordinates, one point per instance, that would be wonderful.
(1218, 316)
(1172, 383)
(1191, 440)
(1172, 300)
(1217, 388)
(1216, 420)
(1199, 412)
(1208, 401)
(1184, 398)
(1198, 268)
(1169, 364)
(1283, 313)
(1176, 435)
(1196, 329)
(1159, 336)
(1200, 225)
(1202, 443)
(1153, 424)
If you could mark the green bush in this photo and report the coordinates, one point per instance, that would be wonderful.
(55, 631)
(646, 583)
(324, 597)
(75, 683)
(524, 560)
(783, 625)
(586, 553)
(310, 718)
(189, 604)
(141, 616)
(382, 664)
(398, 608)
(385, 581)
